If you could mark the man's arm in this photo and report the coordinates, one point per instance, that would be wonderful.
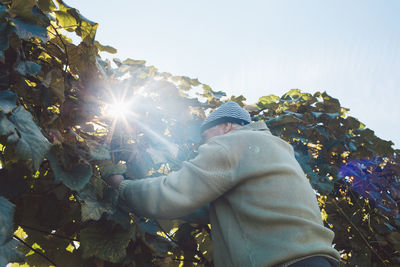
(197, 183)
(199, 216)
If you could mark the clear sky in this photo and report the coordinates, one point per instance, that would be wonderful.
(351, 49)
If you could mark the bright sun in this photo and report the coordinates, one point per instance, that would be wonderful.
(117, 110)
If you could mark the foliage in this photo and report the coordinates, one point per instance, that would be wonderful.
(57, 145)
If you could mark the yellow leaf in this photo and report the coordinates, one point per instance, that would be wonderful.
(20, 233)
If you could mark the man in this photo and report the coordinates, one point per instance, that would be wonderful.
(263, 211)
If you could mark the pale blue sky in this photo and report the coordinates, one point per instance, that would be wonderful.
(351, 49)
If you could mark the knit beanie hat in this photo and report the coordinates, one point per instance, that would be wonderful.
(228, 112)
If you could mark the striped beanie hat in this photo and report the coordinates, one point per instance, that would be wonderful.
(228, 112)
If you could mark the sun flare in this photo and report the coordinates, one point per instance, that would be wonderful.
(117, 110)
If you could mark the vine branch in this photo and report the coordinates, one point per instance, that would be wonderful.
(46, 232)
(176, 259)
(35, 250)
(359, 232)
(65, 47)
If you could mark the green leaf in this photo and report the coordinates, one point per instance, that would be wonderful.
(4, 33)
(283, 119)
(108, 168)
(98, 151)
(28, 68)
(9, 253)
(55, 81)
(22, 8)
(292, 94)
(12, 182)
(86, 29)
(26, 30)
(6, 220)
(264, 100)
(46, 5)
(238, 99)
(8, 101)
(7, 128)
(323, 188)
(66, 20)
(93, 207)
(121, 217)
(3, 11)
(8, 246)
(105, 241)
(133, 62)
(31, 144)
(74, 173)
(105, 48)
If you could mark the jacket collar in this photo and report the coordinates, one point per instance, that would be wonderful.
(255, 126)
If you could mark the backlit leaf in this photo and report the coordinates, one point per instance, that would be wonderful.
(9, 252)
(7, 128)
(22, 8)
(28, 68)
(105, 241)
(31, 144)
(55, 82)
(66, 20)
(93, 206)
(98, 151)
(8, 101)
(4, 32)
(108, 168)
(6, 220)
(74, 174)
(105, 48)
(46, 5)
(134, 62)
(26, 30)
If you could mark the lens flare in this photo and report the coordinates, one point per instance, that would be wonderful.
(117, 110)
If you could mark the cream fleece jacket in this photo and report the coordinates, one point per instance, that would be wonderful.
(263, 211)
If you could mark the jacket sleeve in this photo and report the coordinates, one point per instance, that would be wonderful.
(199, 216)
(197, 183)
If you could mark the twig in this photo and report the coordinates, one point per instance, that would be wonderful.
(199, 254)
(176, 259)
(65, 47)
(359, 232)
(45, 232)
(169, 237)
(35, 250)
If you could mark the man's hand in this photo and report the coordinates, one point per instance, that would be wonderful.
(114, 180)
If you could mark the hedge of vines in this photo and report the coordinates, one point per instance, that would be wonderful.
(58, 142)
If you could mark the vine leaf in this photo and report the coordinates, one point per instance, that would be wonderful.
(9, 253)
(46, 5)
(28, 68)
(8, 101)
(8, 246)
(66, 20)
(121, 217)
(30, 145)
(108, 168)
(106, 242)
(6, 219)
(93, 207)
(6, 127)
(22, 8)
(55, 81)
(74, 173)
(3, 32)
(98, 151)
(105, 48)
(26, 30)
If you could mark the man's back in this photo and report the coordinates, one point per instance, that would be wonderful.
(270, 216)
